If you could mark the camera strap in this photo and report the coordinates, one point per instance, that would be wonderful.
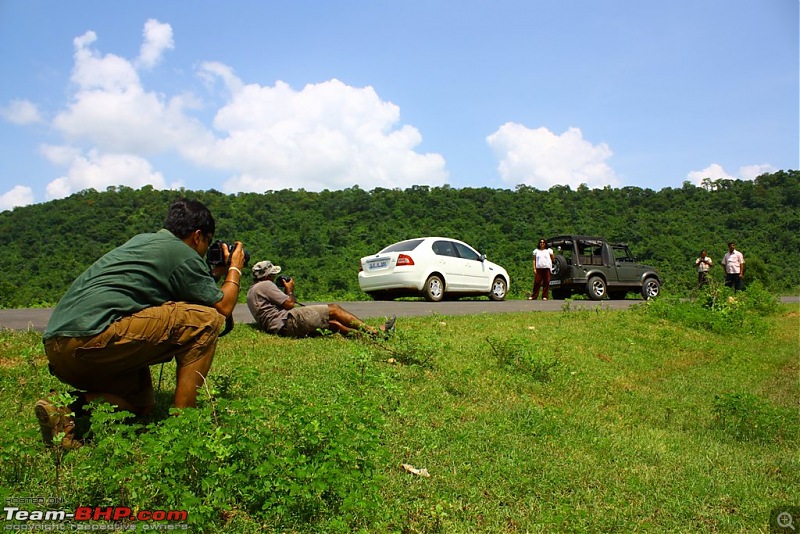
(228, 326)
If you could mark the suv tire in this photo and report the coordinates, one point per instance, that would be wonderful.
(596, 288)
(650, 289)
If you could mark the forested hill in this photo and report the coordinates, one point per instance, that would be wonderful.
(319, 237)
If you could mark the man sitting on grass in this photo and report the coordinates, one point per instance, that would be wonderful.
(277, 312)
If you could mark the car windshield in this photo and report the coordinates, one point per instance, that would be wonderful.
(403, 246)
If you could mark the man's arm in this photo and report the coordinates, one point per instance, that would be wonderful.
(230, 287)
(289, 303)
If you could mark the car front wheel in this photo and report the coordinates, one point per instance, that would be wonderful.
(499, 289)
(596, 288)
(650, 289)
(434, 288)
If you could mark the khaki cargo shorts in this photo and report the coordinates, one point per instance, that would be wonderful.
(118, 359)
(306, 321)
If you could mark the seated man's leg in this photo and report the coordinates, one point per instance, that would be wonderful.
(309, 320)
(346, 322)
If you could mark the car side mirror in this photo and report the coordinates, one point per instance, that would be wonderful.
(483, 257)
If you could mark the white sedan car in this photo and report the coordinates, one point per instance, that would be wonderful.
(432, 267)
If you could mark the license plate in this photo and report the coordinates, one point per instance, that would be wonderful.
(373, 265)
(555, 282)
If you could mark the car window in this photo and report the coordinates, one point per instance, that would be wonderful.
(562, 248)
(444, 248)
(403, 246)
(621, 254)
(466, 252)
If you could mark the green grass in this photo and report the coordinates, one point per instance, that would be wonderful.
(532, 422)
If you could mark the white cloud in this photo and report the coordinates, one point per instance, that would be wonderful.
(751, 172)
(18, 196)
(112, 112)
(21, 112)
(157, 39)
(716, 172)
(327, 135)
(542, 159)
(100, 171)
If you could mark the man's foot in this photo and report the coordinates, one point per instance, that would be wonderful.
(388, 327)
(53, 421)
(544, 298)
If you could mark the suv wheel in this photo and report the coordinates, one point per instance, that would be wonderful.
(559, 266)
(596, 288)
(650, 289)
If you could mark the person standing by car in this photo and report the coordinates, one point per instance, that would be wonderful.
(543, 259)
(703, 264)
(734, 267)
(146, 302)
(276, 311)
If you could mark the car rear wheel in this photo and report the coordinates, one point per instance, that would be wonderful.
(650, 289)
(434, 288)
(596, 288)
(499, 289)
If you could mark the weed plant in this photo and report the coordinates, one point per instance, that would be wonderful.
(579, 420)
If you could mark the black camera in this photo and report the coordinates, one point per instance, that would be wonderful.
(281, 281)
(215, 256)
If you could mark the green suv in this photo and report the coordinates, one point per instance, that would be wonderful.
(594, 267)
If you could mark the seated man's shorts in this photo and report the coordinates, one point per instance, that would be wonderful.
(118, 359)
(307, 321)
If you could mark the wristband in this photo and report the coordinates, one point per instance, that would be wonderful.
(232, 268)
(230, 282)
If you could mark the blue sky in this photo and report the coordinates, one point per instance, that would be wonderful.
(265, 95)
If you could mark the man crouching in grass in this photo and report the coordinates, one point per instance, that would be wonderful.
(144, 303)
(276, 311)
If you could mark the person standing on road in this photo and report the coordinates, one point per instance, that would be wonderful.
(543, 259)
(703, 264)
(734, 267)
(146, 302)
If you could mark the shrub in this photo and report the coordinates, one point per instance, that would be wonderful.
(718, 309)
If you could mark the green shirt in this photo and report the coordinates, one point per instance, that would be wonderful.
(148, 270)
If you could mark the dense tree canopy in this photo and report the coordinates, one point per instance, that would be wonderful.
(319, 237)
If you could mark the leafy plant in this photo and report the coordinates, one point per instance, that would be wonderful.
(517, 355)
(746, 417)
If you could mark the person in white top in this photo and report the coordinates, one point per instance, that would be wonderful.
(703, 264)
(734, 267)
(543, 259)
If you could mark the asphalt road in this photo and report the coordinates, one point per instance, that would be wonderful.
(36, 318)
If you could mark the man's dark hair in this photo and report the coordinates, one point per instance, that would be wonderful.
(186, 216)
